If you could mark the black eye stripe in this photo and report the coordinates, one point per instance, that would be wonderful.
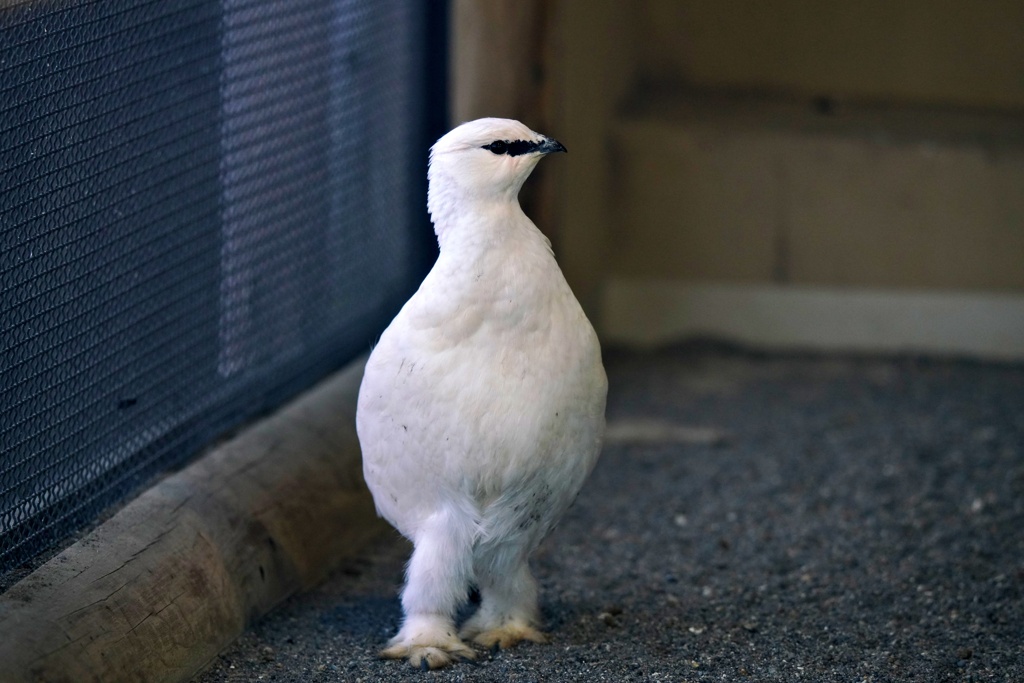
(513, 148)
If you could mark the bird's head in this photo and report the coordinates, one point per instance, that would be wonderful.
(484, 160)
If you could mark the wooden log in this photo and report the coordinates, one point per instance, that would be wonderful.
(157, 591)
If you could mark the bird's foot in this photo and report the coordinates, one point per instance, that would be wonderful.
(504, 635)
(428, 642)
(427, 657)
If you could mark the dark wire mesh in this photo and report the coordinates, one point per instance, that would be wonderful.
(204, 207)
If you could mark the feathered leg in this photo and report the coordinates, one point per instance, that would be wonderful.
(508, 610)
(437, 579)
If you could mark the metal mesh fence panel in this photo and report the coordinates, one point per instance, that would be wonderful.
(204, 207)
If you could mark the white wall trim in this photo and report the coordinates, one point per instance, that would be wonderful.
(651, 312)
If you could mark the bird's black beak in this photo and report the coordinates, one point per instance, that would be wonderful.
(549, 145)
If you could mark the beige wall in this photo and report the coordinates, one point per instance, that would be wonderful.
(946, 52)
(707, 196)
(868, 144)
(872, 145)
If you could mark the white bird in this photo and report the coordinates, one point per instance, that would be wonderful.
(481, 411)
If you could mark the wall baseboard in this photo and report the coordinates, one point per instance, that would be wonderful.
(652, 312)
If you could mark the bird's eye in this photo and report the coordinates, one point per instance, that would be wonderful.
(497, 147)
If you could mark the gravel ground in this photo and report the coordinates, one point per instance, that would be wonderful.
(753, 517)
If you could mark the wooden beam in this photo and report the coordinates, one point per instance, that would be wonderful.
(500, 63)
(592, 75)
(498, 59)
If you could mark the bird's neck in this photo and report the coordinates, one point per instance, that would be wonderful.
(464, 222)
(486, 226)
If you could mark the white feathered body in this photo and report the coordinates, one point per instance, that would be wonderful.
(485, 396)
(481, 410)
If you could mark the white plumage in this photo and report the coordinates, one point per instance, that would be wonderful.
(481, 412)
